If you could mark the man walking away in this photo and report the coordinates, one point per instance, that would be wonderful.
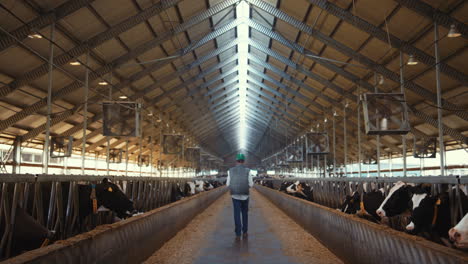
(239, 181)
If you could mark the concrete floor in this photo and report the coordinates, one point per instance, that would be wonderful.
(273, 238)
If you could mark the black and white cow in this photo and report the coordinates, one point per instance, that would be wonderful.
(430, 215)
(367, 209)
(397, 200)
(284, 185)
(29, 234)
(300, 190)
(459, 233)
(177, 192)
(108, 195)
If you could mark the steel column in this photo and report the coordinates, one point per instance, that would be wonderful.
(402, 88)
(45, 153)
(345, 139)
(85, 115)
(439, 100)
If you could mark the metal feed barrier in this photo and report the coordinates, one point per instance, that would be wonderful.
(356, 240)
(61, 213)
(130, 241)
(331, 192)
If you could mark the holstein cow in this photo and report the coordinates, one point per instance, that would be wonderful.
(108, 195)
(459, 233)
(190, 188)
(430, 216)
(300, 190)
(177, 192)
(284, 186)
(396, 201)
(367, 208)
(199, 186)
(208, 186)
(29, 234)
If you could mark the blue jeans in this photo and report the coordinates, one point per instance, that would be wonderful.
(241, 207)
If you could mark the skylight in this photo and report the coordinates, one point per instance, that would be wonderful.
(242, 10)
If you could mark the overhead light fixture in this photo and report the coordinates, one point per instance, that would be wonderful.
(35, 36)
(453, 32)
(103, 83)
(75, 63)
(123, 97)
(412, 60)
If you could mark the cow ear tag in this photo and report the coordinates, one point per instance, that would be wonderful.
(109, 189)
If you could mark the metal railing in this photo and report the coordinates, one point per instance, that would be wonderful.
(331, 192)
(30, 192)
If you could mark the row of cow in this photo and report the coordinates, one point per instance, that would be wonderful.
(414, 208)
(30, 225)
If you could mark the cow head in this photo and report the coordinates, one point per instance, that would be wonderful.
(397, 200)
(112, 197)
(422, 208)
(351, 203)
(459, 233)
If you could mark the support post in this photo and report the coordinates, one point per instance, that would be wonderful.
(85, 115)
(45, 153)
(126, 157)
(439, 100)
(16, 154)
(391, 163)
(378, 136)
(108, 137)
(345, 140)
(402, 88)
(359, 131)
(334, 144)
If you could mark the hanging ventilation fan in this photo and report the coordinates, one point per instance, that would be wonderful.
(427, 148)
(385, 114)
(294, 154)
(192, 155)
(317, 143)
(173, 144)
(61, 147)
(115, 156)
(282, 159)
(121, 119)
(143, 160)
(369, 159)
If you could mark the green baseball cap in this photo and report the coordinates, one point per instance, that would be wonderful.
(240, 156)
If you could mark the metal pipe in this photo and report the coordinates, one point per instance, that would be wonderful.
(126, 157)
(45, 153)
(108, 137)
(359, 131)
(85, 115)
(345, 140)
(378, 136)
(334, 145)
(140, 156)
(439, 100)
(402, 88)
(391, 164)
(16, 154)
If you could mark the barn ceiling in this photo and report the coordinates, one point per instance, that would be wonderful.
(229, 74)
